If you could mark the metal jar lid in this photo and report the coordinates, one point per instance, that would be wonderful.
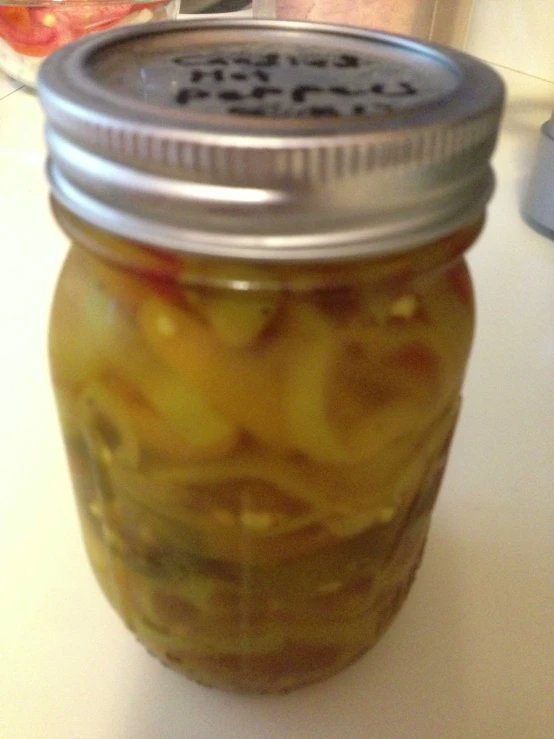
(270, 139)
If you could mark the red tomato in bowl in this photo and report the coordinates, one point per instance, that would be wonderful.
(39, 31)
(86, 18)
(26, 33)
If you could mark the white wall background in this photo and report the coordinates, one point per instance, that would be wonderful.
(518, 34)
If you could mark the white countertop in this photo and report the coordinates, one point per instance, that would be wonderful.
(471, 655)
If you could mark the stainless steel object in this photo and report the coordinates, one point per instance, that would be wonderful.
(270, 139)
(538, 206)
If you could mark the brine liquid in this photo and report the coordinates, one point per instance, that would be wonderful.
(255, 469)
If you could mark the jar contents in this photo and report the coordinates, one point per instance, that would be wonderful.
(260, 334)
(256, 449)
(28, 33)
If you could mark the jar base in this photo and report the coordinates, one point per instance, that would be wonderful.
(287, 684)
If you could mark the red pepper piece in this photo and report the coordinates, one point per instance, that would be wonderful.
(460, 283)
(417, 359)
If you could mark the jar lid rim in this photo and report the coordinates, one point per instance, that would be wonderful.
(282, 171)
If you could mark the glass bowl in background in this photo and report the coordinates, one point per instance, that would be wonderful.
(29, 31)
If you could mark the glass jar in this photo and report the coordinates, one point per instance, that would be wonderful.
(260, 334)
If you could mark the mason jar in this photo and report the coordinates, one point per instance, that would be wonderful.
(260, 334)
